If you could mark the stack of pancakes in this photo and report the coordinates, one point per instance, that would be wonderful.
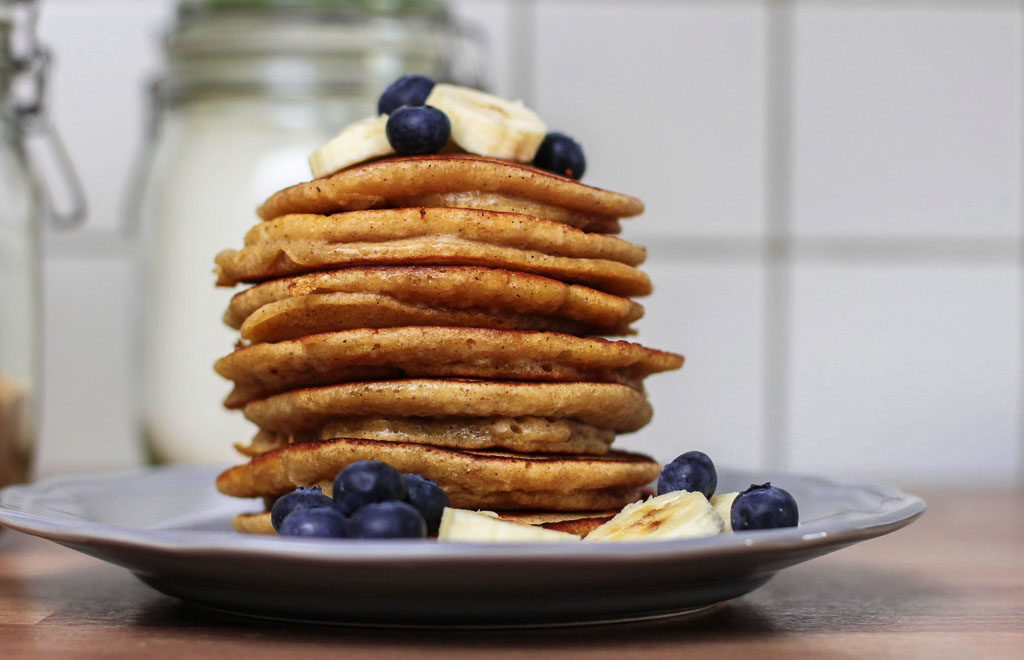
(440, 313)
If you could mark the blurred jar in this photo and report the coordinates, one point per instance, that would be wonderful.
(251, 89)
(35, 183)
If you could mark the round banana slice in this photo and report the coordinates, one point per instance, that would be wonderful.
(487, 125)
(356, 143)
(722, 504)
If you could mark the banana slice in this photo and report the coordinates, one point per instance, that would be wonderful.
(462, 525)
(486, 125)
(356, 143)
(677, 515)
(722, 505)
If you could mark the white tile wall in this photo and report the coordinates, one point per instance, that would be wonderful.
(712, 315)
(89, 358)
(906, 371)
(906, 123)
(907, 120)
(667, 100)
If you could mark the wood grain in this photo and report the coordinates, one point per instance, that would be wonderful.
(949, 586)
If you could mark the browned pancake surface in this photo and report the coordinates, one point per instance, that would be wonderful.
(605, 405)
(298, 244)
(439, 352)
(388, 182)
(470, 478)
(396, 296)
(519, 434)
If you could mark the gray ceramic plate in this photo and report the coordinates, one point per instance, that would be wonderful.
(172, 529)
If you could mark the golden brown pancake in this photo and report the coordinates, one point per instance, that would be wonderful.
(572, 522)
(438, 352)
(297, 244)
(521, 434)
(605, 405)
(296, 317)
(517, 230)
(513, 204)
(472, 479)
(453, 296)
(390, 182)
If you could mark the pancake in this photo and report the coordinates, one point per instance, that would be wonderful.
(605, 405)
(395, 296)
(520, 434)
(434, 237)
(439, 352)
(391, 182)
(572, 522)
(516, 230)
(472, 479)
(512, 204)
(253, 523)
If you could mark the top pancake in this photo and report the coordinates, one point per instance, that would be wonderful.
(390, 182)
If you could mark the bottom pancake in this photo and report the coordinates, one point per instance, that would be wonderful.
(572, 522)
(472, 479)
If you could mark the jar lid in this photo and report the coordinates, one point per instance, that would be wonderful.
(302, 47)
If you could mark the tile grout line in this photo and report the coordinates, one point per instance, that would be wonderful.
(776, 297)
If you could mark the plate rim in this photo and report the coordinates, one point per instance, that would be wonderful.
(904, 509)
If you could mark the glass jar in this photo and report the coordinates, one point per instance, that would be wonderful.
(35, 183)
(252, 87)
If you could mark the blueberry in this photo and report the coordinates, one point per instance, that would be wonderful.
(417, 130)
(560, 154)
(388, 520)
(407, 90)
(764, 507)
(323, 521)
(301, 497)
(367, 482)
(428, 498)
(692, 471)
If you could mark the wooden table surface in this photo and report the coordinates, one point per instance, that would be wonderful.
(951, 585)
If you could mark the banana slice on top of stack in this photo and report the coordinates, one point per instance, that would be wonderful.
(438, 298)
(481, 124)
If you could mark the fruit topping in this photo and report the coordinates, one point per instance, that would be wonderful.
(408, 90)
(462, 525)
(560, 154)
(692, 471)
(674, 515)
(388, 520)
(322, 521)
(487, 125)
(356, 143)
(722, 504)
(367, 482)
(428, 498)
(301, 497)
(763, 507)
(418, 130)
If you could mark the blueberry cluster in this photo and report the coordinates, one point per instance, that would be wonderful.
(414, 128)
(761, 506)
(372, 500)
